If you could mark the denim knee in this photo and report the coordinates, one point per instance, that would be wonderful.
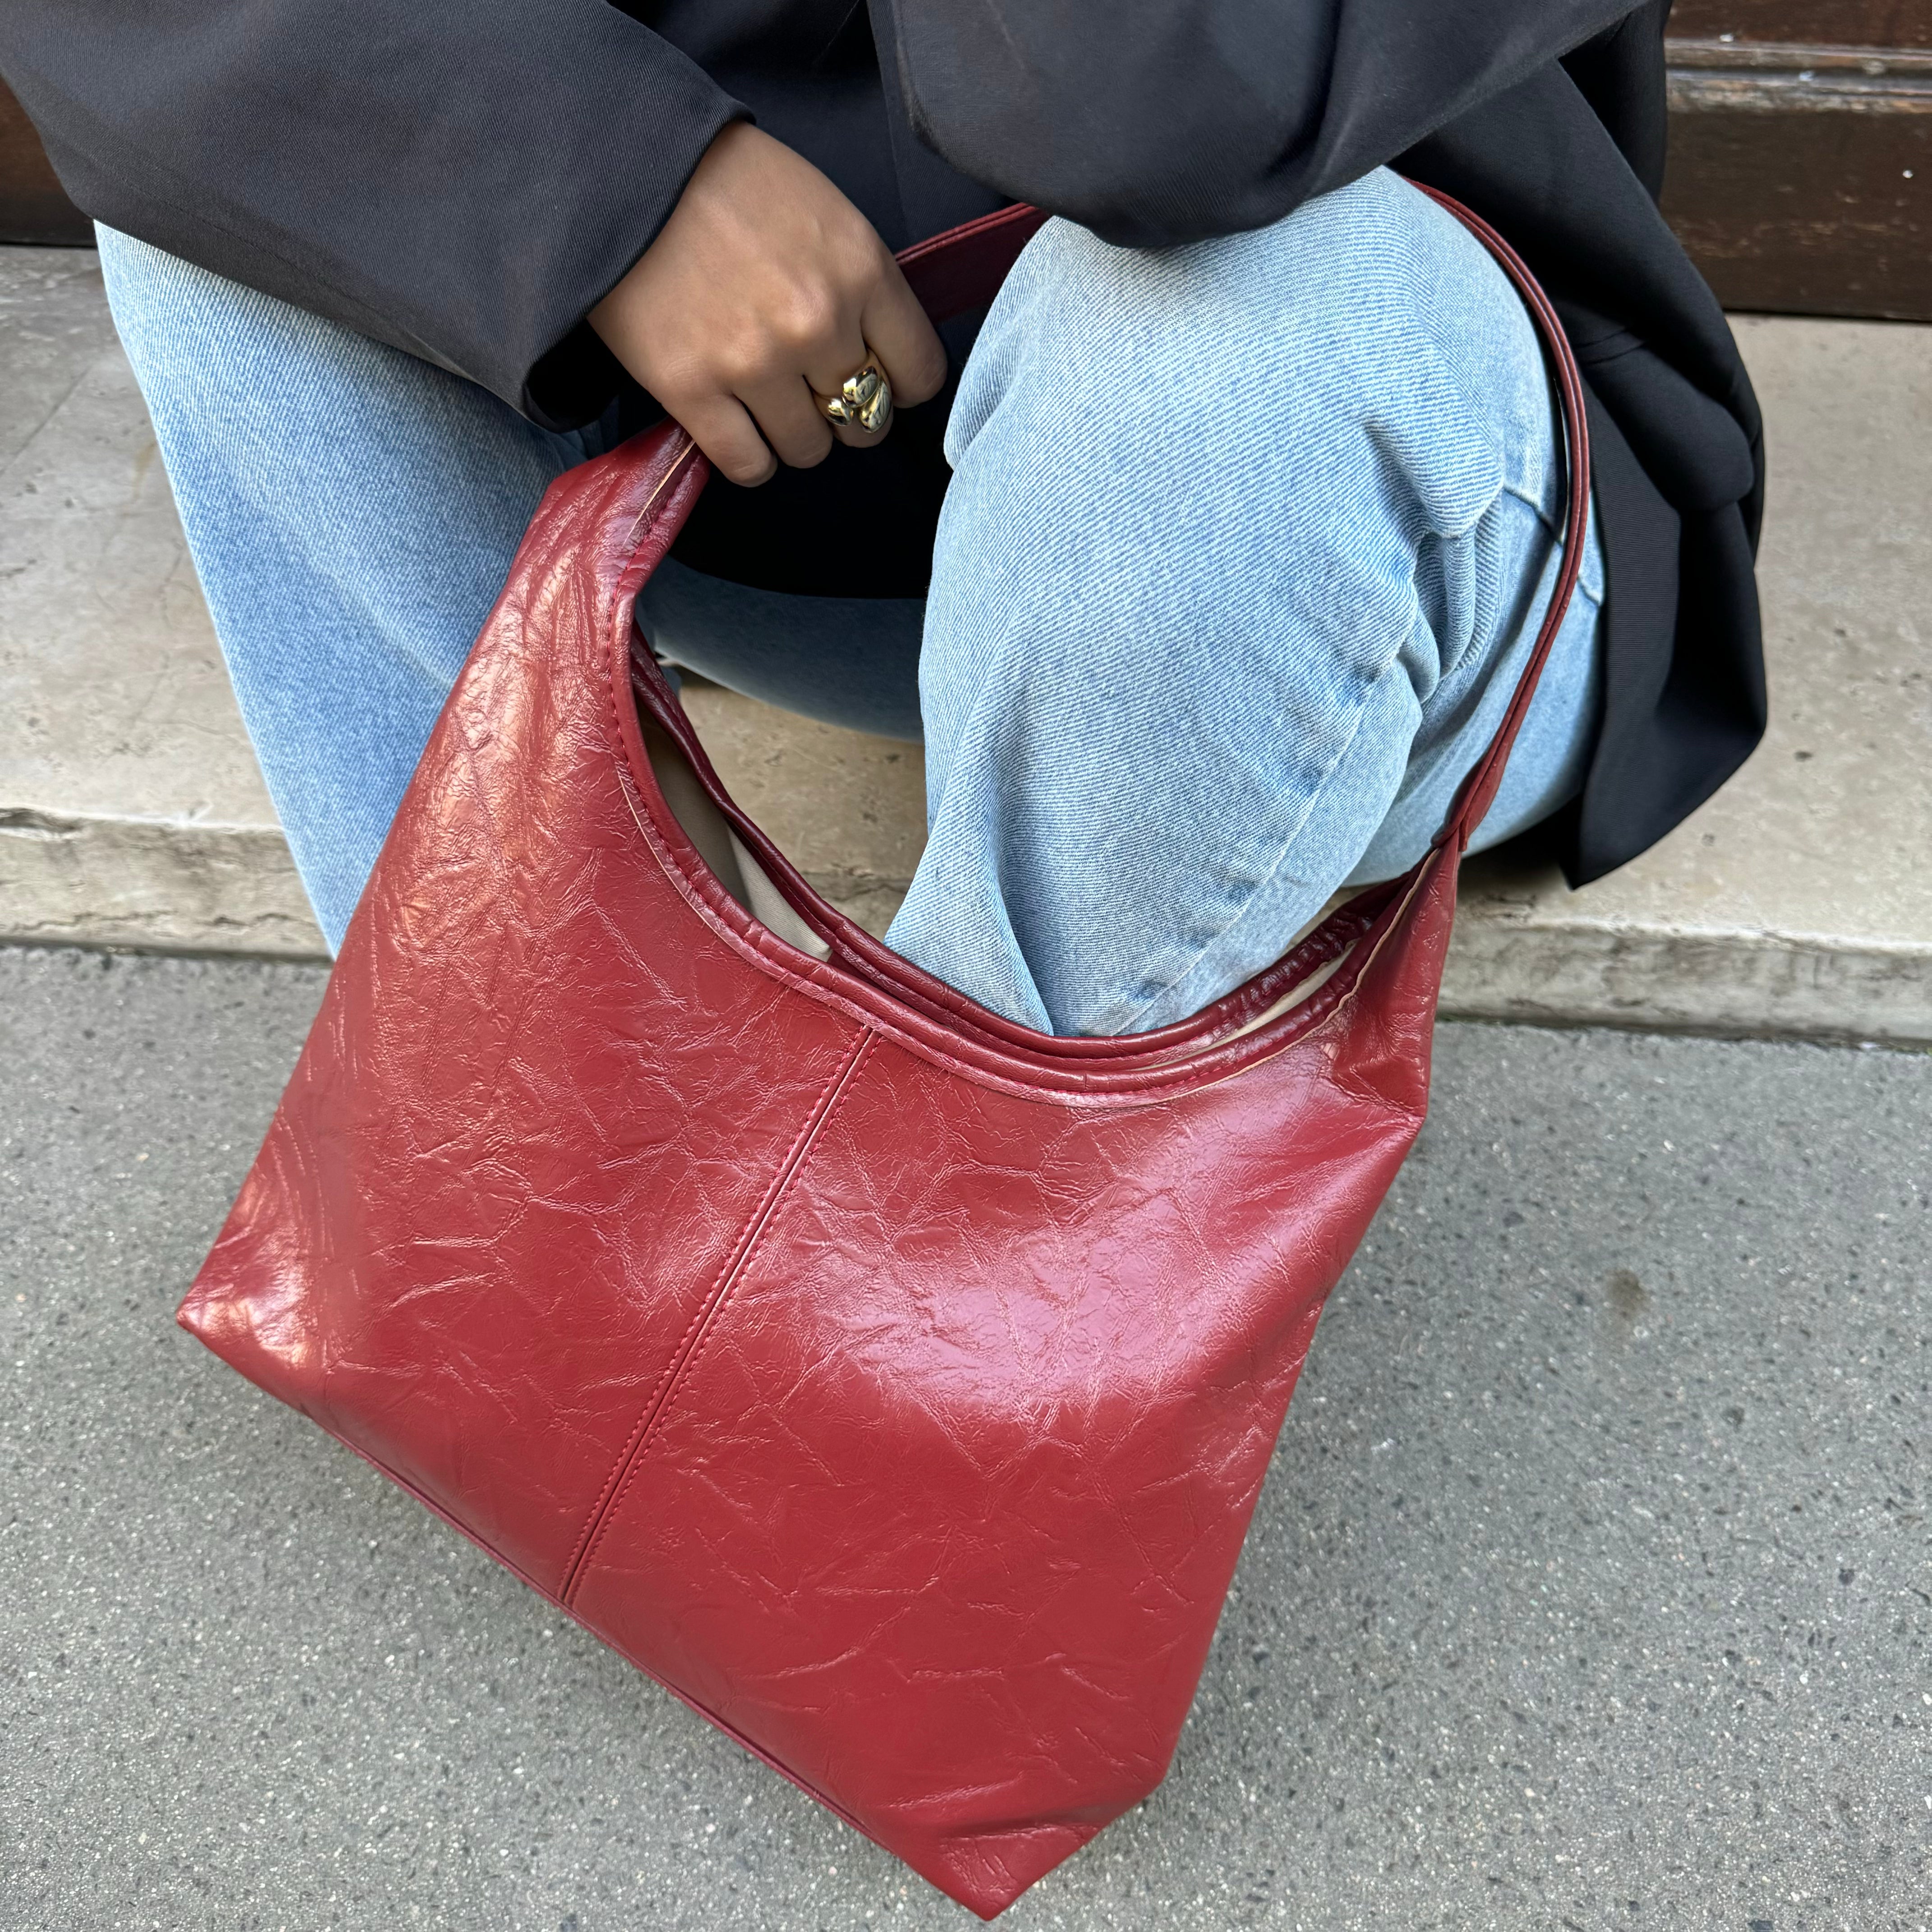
(1224, 520)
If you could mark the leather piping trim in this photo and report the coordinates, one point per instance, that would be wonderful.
(932, 1001)
(1148, 1078)
(690, 1343)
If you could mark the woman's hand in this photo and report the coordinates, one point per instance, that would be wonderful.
(765, 285)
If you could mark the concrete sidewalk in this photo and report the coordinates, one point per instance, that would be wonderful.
(1592, 1586)
(1799, 902)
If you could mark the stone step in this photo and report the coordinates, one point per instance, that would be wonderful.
(1797, 903)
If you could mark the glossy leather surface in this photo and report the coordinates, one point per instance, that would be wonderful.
(892, 1384)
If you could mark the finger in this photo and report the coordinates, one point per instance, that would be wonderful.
(720, 426)
(789, 421)
(903, 339)
(834, 351)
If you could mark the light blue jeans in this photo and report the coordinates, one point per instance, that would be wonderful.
(1246, 545)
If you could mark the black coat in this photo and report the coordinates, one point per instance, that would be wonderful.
(465, 179)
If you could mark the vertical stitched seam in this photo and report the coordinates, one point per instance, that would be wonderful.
(688, 1366)
(700, 1323)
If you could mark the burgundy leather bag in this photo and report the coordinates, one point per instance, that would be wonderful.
(893, 1384)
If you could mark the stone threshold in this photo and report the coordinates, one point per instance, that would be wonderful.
(1798, 904)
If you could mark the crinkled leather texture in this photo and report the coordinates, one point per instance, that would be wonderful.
(893, 1385)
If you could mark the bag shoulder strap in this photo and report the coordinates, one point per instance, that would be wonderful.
(1479, 789)
(963, 268)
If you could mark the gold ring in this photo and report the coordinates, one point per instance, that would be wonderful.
(864, 398)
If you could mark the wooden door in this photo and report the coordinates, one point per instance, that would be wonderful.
(1800, 176)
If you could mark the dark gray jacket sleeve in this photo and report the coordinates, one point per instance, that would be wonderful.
(1156, 122)
(463, 178)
